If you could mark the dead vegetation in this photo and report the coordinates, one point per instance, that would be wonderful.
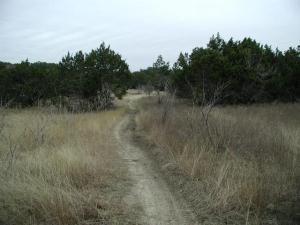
(76, 104)
(243, 161)
(60, 168)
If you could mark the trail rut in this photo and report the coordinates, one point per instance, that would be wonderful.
(150, 191)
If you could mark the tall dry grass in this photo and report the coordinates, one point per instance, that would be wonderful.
(59, 168)
(247, 166)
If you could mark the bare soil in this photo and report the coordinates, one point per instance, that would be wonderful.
(150, 192)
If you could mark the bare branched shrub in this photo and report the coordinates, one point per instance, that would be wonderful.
(76, 104)
(3, 113)
(207, 104)
(11, 149)
(148, 88)
(7, 145)
(167, 101)
(140, 89)
(2, 120)
(103, 99)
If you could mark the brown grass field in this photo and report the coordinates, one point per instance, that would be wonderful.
(244, 164)
(240, 166)
(60, 168)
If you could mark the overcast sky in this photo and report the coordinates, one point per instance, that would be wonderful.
(140, 30)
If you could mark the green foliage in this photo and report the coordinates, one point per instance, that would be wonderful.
(156, 76)
(84, 76)
(26, 83)
(255, 73)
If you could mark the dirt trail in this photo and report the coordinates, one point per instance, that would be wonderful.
(149, 190)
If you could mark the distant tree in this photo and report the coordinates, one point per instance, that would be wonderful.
(216, 43)
(86, 76)
(155, 76)
(180, 72)
(161, 71)
(27, 83)
(255, 72)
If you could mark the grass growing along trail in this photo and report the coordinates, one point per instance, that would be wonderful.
(61, 169)
(245, 170)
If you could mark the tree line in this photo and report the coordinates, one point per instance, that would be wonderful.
(247, 71)
(89, 78)
(251, 71)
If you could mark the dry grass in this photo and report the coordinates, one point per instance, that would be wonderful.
(60, 168)
(249, 173)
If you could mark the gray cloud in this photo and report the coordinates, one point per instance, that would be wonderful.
(44, 30)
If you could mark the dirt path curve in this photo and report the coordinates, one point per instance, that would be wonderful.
(149, 190)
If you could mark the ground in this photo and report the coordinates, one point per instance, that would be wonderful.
(143, 162)
(150, 190)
